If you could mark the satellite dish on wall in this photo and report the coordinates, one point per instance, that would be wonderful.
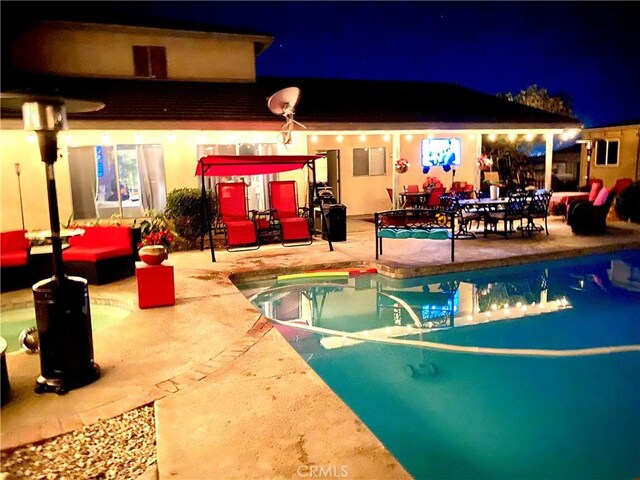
(283, 103)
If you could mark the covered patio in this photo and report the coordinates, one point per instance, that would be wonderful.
(224, 383)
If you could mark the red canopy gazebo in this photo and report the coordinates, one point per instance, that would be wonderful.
(228, 165)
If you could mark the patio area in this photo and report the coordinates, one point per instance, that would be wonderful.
(228, 387)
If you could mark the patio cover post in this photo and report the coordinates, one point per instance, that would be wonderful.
(548, 160)
(395, 179)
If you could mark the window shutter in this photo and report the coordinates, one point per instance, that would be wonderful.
(158, 62)
(140, 61)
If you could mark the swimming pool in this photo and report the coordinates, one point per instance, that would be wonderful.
(104, 314)
(528, 372)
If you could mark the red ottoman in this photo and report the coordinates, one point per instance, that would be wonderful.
(155, 285)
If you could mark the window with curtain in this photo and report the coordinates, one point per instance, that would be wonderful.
(607, 152)
(369, 161)
(257, 191)
(123, 180)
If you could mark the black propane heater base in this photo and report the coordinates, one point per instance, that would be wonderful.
(63, 317)
(63, 385)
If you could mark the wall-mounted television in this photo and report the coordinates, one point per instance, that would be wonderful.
(440, 152)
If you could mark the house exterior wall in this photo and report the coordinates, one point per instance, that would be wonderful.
(361, 194)
(628, 159)
(107, 52)
(367, 194)
(180, 159)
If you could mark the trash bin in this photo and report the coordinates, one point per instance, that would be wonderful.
(336, 217)
(63, 317)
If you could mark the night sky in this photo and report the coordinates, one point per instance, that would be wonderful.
(588, 52)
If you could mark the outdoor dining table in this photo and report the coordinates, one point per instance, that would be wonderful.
(487, 204)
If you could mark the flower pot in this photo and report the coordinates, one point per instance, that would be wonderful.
(153, 254)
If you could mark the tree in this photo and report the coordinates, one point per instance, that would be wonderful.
(506, 153)
(539, 98)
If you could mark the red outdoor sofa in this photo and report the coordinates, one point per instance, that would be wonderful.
(102, 254)
(14, 260)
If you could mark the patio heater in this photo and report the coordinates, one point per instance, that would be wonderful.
(63, 314)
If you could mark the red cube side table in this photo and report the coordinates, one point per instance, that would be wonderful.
(156, 287)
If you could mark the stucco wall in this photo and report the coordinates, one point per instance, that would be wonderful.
(96, 52)
(361, 195)
(180, 158)
(368, 194)
(628, 155)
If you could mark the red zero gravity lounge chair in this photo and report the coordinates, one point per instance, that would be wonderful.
(240, 232)
(294, 228)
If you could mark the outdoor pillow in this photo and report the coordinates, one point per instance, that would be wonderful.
(595, 188)
(439, 234)
(403, 234)
(421, 234)
(602, 197)
(387, 233)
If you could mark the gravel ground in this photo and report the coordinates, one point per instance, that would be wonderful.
(123, 447)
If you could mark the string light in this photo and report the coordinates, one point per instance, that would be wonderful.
(314, 138)
(386, 137)
(138, 138)
(363, 138)
(339, 138)
(529, 137)
(172, 137)
(31, 138)
(409, 136)
(511, 137)
(492, 137)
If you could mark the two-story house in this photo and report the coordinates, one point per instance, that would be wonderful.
(175, 93)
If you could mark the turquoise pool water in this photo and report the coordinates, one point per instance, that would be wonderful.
(13, 321)
(529, 372)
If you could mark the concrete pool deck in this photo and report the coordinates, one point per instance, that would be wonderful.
(232, 398)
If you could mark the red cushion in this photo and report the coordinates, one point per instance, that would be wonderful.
(93, 254)
(13, 259)
(602, 197)
(593, 193)
(14, 240)
(621, 184)
(241, 233)
(294, 229)
(103, 236)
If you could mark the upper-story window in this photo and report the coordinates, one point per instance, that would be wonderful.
(607, 152)
(369, 161)
(150, 62)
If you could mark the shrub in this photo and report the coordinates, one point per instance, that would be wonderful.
(627, 204)
(184, 208)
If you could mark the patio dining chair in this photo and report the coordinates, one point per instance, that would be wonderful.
(537, 208)
(292, 220)
(434, 197)
(512, 211)
(240, 230)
